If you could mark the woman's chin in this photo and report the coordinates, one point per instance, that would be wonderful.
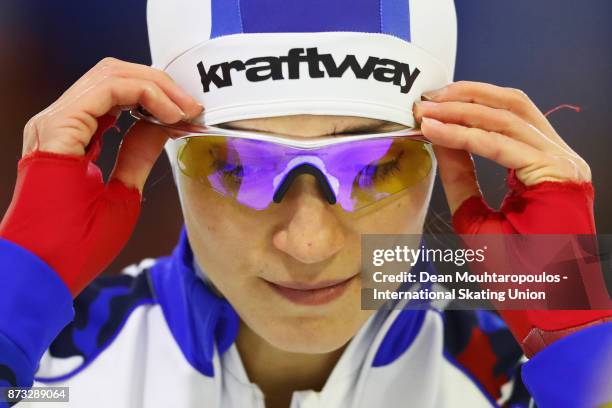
(314, 336)
(307, 345)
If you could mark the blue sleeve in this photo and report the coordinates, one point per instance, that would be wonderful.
(575, 371)
(34, 307)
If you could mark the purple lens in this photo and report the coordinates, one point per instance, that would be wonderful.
(357, 173)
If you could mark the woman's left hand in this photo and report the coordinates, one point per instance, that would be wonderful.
(500, 124)
(550, 185)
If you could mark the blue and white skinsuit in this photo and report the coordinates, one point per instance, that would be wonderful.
(158, 336)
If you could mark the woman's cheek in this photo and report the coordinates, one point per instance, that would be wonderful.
(402, 214)
(220, 220)
(219, 236)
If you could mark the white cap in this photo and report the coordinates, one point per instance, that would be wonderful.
(246, 59)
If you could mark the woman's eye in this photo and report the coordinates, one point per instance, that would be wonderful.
(229, 170)
(378, 172)
(385, 170)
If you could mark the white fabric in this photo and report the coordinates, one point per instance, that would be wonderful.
(144, 368)
(179, 36)
(343, 95)
(176, 26)
(433, 27)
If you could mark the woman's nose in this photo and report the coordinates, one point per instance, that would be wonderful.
(312, 233)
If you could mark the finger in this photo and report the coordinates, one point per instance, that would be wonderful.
(78, 122)
(114, 68)
(458, 175)
(139, 150)
(489, 119)
(494, 146)
(123, 91)
(497, 97)
(124, 69)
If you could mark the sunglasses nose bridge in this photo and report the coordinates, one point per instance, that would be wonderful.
(305, 169)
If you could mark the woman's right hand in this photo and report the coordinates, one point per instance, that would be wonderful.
(67, 126)
(62, 211)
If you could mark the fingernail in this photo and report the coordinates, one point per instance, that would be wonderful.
(420, 107)
(431, 122)
(431, 95)
(183, 115)
(426, 104)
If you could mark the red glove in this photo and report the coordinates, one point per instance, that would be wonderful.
(544, 208)
(505, 126)
(61, 210)
(64, 213)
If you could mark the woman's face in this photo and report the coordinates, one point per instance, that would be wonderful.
(269, 263)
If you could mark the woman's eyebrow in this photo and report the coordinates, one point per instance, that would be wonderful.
(361, 128)
(336, 130)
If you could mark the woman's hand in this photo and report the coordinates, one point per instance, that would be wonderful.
(550, 186)
(62, 211)
(68, 125)
(503, 125)
(500, 124)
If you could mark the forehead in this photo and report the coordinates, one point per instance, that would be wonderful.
(314, 125)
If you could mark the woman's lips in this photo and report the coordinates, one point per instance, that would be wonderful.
(311, 294)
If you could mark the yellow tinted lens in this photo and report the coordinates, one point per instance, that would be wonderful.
(211, 161)
(405, 164)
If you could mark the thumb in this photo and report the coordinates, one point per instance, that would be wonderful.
(458, 175)
(139, 150)
(470, 212)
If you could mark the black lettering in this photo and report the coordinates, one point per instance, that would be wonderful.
(264, 68)
(336, 71)
(400, 73)
(314, 68)
(384, 73)
(269, 68)
(237, 65)
(211, 76)
(294, 57)
(409, 78)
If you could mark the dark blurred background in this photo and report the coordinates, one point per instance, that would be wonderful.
(557, 51)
